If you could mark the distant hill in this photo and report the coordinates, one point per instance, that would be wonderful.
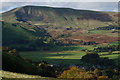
(40, 22)
(60, 18)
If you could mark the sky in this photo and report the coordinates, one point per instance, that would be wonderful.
(96, 6)
(60, 0)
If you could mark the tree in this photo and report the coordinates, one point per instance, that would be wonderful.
(91, 58)
(103, 78)
(98, 72)
(110, 52)
(72, 72)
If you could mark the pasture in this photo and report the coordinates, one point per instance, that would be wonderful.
(65, 55)
(62, 55)
(105, 32)
(114, 54)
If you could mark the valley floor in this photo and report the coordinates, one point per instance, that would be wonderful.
(69, 57)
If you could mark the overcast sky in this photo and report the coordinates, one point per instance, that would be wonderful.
(96, 6)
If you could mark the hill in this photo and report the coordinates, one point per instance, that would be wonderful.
(60, 18)
(66, 22)
(23, 36)
(12, 62)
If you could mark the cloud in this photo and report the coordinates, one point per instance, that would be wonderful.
(60, 0)
(97, 6)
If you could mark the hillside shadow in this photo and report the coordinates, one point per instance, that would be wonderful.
(64, 48)
(63, 61)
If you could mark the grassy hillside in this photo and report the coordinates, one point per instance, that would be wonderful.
(15, 64)
(23, 36)
(15, 32)
(6, 75)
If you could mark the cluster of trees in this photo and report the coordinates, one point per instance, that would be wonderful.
(88, 43)
(107, 48)
(92, 74)
(93, 58)
(64, 35)
(69, 42)
(110, 27)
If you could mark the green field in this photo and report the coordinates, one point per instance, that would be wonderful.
(110, 56)
(115, 56)
(105, 32)
(63, 57)
(115, 43)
